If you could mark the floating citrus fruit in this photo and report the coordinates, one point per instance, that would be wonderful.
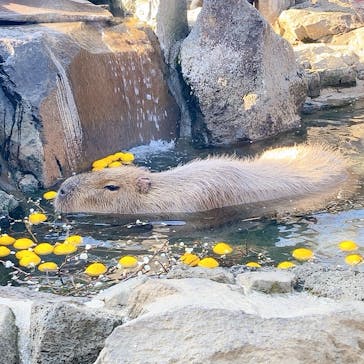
(348, 245)
(208, 263)
(285, 265)
(95, 269)
(190, 259)
(302, 254)
(222, 248)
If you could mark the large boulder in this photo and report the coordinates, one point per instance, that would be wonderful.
(244, 80)
(200, 321)
(73, 92)
(8, 336)
(168, 18)
(52, 329)
(46, 11)
(8, 203)
(271, 9)
(312, 22)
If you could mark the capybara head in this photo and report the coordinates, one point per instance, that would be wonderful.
(119, 190)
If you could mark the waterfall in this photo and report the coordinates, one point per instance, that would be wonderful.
(69, 114)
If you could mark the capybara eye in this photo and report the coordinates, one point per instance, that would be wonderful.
(112, 187)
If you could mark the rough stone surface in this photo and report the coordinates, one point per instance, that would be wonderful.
(73, 92)
(332, 282)
(354, 41)
(243, 77)
(56, 329)
(266, 282)
(48, 11)
(316, 22)
(271, 9)
(249, 329)
(69, 333)
(28, 184)
(116, 297)
(7, 203)
(8, 336)
(168, 18)
(313, 84)
(220, 275)
(332, 98)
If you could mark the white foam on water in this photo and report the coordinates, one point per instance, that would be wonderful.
(154, 147)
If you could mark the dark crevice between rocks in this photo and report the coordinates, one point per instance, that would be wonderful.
(200, 136)
(59, 165)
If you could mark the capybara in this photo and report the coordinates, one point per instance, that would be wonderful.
(206, 184)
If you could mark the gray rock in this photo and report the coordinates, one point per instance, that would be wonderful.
(200, 335)
(64, 102)
(220, 275)
(7, 203)
(28, 184)
(45, 11)
(243, 77)
(168, 19)
(337, 77)
(69, 333)
(266, 282)
(8, 336)
(313, 84)
(332, 282)
(56, 329)
(315, 22)
(271, 9)
(116, 297)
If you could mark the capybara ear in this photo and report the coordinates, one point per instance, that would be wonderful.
(143, 184)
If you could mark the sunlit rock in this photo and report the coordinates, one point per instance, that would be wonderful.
(271, 9)
(312, 22)
(168, 19)
(73, 92)
(266, 282)
(244, 80)
(45, 11)
(216, 323)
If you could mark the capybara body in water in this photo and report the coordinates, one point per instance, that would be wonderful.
(206, 184)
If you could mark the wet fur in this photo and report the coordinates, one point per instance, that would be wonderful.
(207, 184)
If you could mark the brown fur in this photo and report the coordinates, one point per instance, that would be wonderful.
(206, 184)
